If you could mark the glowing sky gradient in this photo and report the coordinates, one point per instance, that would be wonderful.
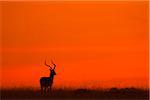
(94, 44)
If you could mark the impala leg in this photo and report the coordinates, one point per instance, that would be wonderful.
(41, 89)
(50, 88)
(44, 89)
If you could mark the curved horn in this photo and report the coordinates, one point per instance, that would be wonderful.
(48, 65)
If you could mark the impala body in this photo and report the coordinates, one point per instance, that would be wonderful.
(46, 82)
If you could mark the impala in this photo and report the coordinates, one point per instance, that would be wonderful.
(46, 82)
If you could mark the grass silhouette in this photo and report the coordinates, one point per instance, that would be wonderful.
(112, 93)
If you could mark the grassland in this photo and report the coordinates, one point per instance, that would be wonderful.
(112, 93)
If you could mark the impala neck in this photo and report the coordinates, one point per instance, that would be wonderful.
(51, 76)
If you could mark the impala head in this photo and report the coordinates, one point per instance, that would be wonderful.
(52, 70)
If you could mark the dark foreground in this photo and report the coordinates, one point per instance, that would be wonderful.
(84, 94)
(74, 99)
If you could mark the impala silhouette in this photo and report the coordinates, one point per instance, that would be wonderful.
(47, 82)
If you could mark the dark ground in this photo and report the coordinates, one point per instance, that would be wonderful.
(59, 94)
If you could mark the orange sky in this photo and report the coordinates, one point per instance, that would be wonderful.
(94, 44)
